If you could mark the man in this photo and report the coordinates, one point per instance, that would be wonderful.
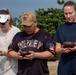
(37, 42)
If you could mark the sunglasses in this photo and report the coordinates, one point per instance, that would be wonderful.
(2, 23)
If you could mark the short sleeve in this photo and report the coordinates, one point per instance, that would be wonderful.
(48, 43)
(14, 44)
(57, 36)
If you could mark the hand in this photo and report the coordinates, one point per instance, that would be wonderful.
(65, 50)
(73, 49)
(19, 55)
(30, 56)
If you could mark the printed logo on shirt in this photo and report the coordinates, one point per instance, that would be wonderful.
(51, 46)
(30, 43)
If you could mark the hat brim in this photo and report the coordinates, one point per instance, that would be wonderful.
(3, 20)
(27, 23)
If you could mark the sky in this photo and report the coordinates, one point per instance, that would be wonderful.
(17, 7)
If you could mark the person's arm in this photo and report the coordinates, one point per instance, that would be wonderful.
(39, 55)
(32, 55)
(44, 55)
(13, 47)
(58, 48)
(15, 55)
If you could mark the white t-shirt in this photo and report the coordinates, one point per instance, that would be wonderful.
(8, 66)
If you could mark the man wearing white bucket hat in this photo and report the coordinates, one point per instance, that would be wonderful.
(8, 66)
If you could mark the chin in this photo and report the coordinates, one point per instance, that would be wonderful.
(70, 21)
(29, 33)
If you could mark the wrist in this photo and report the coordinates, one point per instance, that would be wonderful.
(62, 50)
(3, 53)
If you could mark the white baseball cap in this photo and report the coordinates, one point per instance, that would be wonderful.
(4, 18)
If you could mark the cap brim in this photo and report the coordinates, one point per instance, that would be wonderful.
(27, 23)
(3, 20)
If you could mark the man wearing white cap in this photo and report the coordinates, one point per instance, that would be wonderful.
(8, 66)
(32, 47)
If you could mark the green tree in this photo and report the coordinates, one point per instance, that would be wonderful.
(17, 22)
(49, 19)
(60, 2)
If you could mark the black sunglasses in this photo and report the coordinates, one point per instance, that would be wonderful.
(2, 23)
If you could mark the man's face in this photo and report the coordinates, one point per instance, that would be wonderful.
(30, 29)
(70, 13)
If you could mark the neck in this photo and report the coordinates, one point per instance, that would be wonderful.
(37, 29)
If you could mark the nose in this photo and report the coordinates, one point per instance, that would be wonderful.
(68, 15)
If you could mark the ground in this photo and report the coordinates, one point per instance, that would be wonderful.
(53, 67)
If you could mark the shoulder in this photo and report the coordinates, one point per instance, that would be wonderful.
(13, 31)
(20, 34)
(44, 33)
(63, 26)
